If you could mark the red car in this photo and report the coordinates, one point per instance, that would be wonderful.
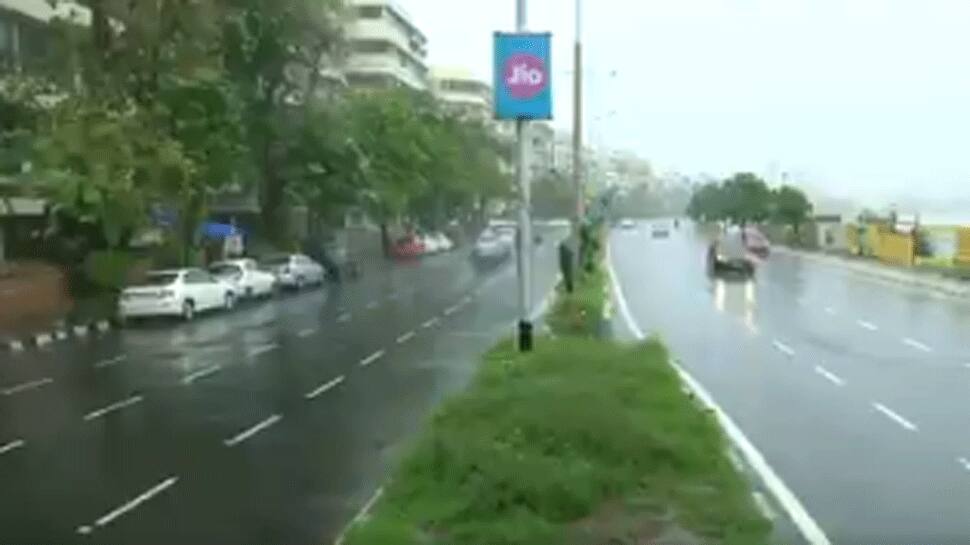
(756, 242)
(408, 247)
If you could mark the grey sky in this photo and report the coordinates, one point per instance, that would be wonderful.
(868, 99)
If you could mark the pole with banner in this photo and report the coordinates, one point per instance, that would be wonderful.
(523, 92)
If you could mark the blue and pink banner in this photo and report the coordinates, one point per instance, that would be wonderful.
(523, 76)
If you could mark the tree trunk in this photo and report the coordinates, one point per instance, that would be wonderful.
(385, 239)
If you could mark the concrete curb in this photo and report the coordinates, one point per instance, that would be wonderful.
(942, 285)
(58, 333)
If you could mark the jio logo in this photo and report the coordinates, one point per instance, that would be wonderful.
(525, 75)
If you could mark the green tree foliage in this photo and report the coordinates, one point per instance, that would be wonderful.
(791, 206)
(746, 198)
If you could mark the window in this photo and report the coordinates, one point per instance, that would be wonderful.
(198, 277)
(370, 12)
(370, 46)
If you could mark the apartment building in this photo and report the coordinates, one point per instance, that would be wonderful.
(23, 30)
(386, 48)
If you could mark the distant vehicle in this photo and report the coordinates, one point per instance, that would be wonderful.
(660, 230)
(294, 270)
(491, 247)
(506, 233)
(756, 242)
(247, 279)
(176, 292)
(729, 254)
(628, 224)
(442, 241)
(408, 246)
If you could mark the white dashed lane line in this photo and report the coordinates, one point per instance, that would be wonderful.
(372, 305)
(27, 386)
(830, 311)
(110, 362)
(201, 373)
(434, 321)
(451, 310)
(913, 343)
(372, 358)
(783, 348)
(405, 337)
(344, 317)
(830, 376)
(248, 433)
(327, 386)
(867, 325)
(304, 333)
(895, 417)
(12, 446)
(260, 350)
(130, 506)
(964, 463)
(133, 400)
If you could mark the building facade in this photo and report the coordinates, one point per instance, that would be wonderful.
(461, 93)
(386, 48)
(24, 40)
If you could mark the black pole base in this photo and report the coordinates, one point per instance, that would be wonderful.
(525, 336)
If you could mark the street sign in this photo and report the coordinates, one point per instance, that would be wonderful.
(523, 76)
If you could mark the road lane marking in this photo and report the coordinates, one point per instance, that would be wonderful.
(763, 506)
(27, 386)
(867, 325)
(130, 506)
(11, 446)
(807, 526)
(344, 317)
(246, 434)
(133, 400)
(830, 311)
(372, 305)
(361, 514)
(451, 310)
(964, 462)
(783, 348)
(466, 300)
(372, 358)
(832, 377)
(306, 333)
(201, 373)
(110, 362)
(405, 337)
(324, 388)
(895, 417)
(260, 350)
(435, 321)
(916, 344)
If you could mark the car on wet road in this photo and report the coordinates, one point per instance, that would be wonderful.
(729, 254)
(247, 279)
(491, 247)
(176, 293)
(295, 270)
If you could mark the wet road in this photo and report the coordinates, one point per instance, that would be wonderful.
(854, 390)
(270, 424)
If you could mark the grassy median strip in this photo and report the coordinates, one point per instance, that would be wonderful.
(581, 442)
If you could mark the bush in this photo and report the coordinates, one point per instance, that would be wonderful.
(108, 270)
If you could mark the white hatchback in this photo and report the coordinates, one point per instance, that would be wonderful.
(176, 292)
(295, 270)
(245, 276)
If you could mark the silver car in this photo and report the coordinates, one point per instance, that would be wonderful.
(295, 270)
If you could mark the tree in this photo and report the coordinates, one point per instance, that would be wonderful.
(791, 206)
(553, 196)
(746, 198)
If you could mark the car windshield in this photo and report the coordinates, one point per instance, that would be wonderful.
(276, 260)
(225, 269)
(158, 279)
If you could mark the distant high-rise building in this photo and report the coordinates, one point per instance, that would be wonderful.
(386, 48)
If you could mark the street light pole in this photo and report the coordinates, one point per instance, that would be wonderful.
(578, 134)
(525, 223)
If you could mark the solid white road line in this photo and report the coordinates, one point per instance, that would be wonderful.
(324, 388)
(133, 400)
(895, 417)
(435, 321)
(830, 311)
(405, 337)
(306, 333)
(13, 445)
(110, 362)
(131, 505)
(867, 325)
(344, 317)
(372, 358)
(201, 373)
(783, 348)
(916, 344)
(32, 385)
(246, 434)
(964, 462)
(361, 514)
(806, 525)
(260, 350)
(832, 377)
(763, 506)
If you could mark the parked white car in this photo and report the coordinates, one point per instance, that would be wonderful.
(295, 270)
(176, 292)
(444, 243)
(245, 276)
(491, 247)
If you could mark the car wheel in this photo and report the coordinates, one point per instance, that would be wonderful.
(249, 293)
(230, 301)
(300, 283)
(188, 311)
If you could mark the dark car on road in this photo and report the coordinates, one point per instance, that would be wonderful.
(729, 254)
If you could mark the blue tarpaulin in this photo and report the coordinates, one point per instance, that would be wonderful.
(218, 231)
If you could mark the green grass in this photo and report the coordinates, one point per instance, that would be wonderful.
(579, 313)
(582, 442)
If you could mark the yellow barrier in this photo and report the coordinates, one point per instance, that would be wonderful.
(963, 246)
(896, 248)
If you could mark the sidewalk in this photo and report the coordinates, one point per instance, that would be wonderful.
(874, 269)
(84, 316)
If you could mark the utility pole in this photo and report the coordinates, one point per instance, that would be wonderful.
(525, 223)
(578, 134)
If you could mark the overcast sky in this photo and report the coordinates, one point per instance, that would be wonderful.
(868, 99)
